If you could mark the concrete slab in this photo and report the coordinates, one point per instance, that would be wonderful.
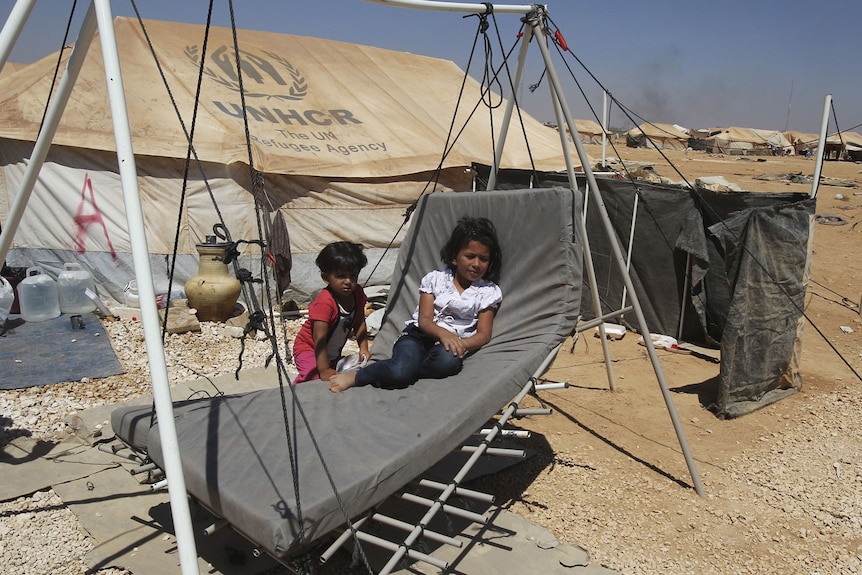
(30, 466)
(131, 528)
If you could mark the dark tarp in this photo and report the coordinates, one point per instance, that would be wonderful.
(766, 258)
(235, 452)
(745, 254)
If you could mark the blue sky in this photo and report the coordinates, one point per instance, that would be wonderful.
(755, 63)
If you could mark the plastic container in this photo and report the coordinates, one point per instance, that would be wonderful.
(130, 294)
(39, 296)
(73, 283)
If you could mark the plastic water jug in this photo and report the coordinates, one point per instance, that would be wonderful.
(73, 283)
(39, 296)
(130, 294)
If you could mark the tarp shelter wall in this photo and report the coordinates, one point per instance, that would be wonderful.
(346, 136)
(745, 255)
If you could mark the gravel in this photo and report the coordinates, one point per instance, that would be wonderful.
(790, 502)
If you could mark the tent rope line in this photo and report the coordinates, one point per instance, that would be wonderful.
(637, 189)
(282, 372)
(257, 318)
(59, 62)
(449, 144)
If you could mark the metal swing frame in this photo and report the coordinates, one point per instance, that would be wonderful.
(99, 17)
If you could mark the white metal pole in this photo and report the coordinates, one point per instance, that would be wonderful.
(456, 6)
(631, 242)
(507, 116)
(821, 145)
(13, 26)
(594, 189)
(143, 274)
(684, 300)
(49, 128)
(605, 122)
(582, 227)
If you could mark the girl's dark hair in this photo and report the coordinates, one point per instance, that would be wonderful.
(341, 257)
(481, 230)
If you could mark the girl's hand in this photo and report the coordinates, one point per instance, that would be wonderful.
(454, 344)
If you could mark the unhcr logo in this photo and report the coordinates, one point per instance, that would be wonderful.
(262, 77)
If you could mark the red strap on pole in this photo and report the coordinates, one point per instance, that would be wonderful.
(560, 40)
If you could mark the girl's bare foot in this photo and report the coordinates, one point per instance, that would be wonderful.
(341, 381)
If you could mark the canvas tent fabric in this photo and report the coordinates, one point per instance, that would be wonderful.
(345, 136)
(747, 141)
(589, 131)
(234, 451)
(661, 136)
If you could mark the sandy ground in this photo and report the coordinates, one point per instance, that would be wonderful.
(783, 485)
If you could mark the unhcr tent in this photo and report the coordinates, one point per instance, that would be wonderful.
(660, 136)
(344, 138)
(747, 141)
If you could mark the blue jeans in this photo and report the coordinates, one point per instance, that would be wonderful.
(414, 356)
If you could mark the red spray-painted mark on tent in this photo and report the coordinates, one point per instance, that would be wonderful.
(82, 220)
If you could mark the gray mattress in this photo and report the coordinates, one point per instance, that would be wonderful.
(371, 442)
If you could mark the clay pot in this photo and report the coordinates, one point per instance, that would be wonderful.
(214, 291)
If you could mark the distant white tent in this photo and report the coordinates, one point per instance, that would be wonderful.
(747, 141)
(589, 131)
(343, 138)
(661, 136)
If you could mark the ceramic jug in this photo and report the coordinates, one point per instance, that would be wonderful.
(213, 291)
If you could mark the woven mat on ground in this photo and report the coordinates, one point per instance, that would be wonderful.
(52, 351)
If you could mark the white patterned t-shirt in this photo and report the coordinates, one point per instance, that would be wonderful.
(458, 312)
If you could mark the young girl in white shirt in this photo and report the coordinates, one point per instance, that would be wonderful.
(454, 317)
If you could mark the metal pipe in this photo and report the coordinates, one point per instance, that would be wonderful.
(537, 411)
(557, 385)
(557, 100)
(411, 553)
(450, 509)
(520, 433)
(594, 189)
(605, 121)
(342, 539)
(216, 525)
(600, 320)
(507, 115)
(456, 6)
(459, 491)
(140, 256)
(821, 145)
(427, 533)
(49, 128)
(12, 28)
(631, 242)
(503, 451)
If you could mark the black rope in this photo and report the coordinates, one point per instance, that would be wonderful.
(57, 66)
(189, 134)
